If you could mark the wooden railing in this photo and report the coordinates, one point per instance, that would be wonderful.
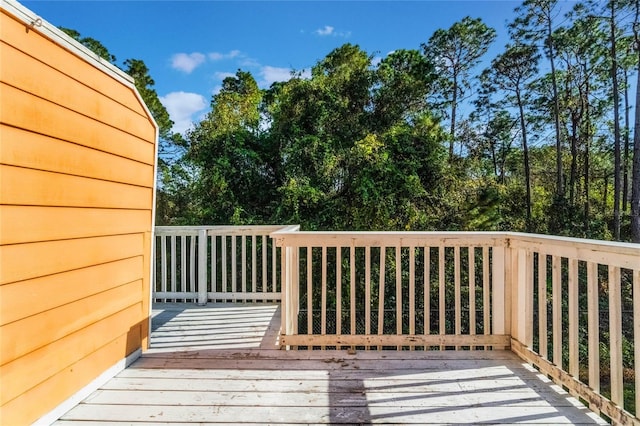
(570, 307)
(574, 304)
(554, 301)
(385, 289)
(216, 263)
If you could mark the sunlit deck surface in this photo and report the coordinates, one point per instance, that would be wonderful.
(219, 364)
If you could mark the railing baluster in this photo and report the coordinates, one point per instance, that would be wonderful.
(338, 290)
(381, 289)
(574, 359)
(615, 335)
(174, 260)
(367, 290)
(472, 291)
(309, 290)
(223, 238)
(214, 264)
(264, 263)
(183, 266)
(202, 266)
(556, 279)
(427, 291)
(286, 292)
(243, 264)
(593, 297)
(441, 292)
(486, 296)
(542, 305)
(234, 266)
(295, 288)
(399, 291)
(163, 264)
(192, 266)
(457, 312)
(323, 314)
(254, 264)
(352, 288)
(636, 336)
(274, 277)
(412, 291)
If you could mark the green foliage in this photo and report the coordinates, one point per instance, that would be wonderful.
(92, 44)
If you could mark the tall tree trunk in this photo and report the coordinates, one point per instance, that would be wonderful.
(454, 105)
(635, 175)
(556, 112)
(525, 150)
(573, 176)
(616, 128)
(625, 158)
(587, 145)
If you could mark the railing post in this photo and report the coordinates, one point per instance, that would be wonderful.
(522, 296)
(501, 291)
(289, 305)
(202, 267)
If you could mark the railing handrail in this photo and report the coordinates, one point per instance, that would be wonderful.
(221, 229)
(373, 238)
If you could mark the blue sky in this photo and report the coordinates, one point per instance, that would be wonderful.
(190, 46)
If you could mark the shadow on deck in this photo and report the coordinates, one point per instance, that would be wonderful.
(220, 364)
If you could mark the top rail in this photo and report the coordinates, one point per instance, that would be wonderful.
(344, 238)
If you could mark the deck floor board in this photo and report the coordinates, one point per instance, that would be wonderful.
(223, 369)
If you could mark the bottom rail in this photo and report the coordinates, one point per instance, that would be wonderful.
(218, 295)
(494, 340)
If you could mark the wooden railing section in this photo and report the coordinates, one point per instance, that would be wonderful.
(570, 307)
(568, 300)
(388, 289)
(216, 263)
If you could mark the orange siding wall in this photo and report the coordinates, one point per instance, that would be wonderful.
(77, 155)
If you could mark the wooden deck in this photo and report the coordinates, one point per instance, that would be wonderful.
(219, 365)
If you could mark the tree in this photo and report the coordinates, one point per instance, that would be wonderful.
(403, 81)
(617, 171)
(455, 52)
(581, 52)
(535, 24)
(169, 141)
(510, 72)
(635, 179)
(226, 148)
(92, 44)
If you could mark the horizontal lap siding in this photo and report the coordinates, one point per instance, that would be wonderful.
(24, 149)
(76, 195)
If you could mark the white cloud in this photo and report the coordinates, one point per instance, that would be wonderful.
(187, 62)
(219, 75)
(182, 106)
(305, 73)
(376, 61)
(326, 31)
(271, 74)
(217, 56)
(249, 62)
